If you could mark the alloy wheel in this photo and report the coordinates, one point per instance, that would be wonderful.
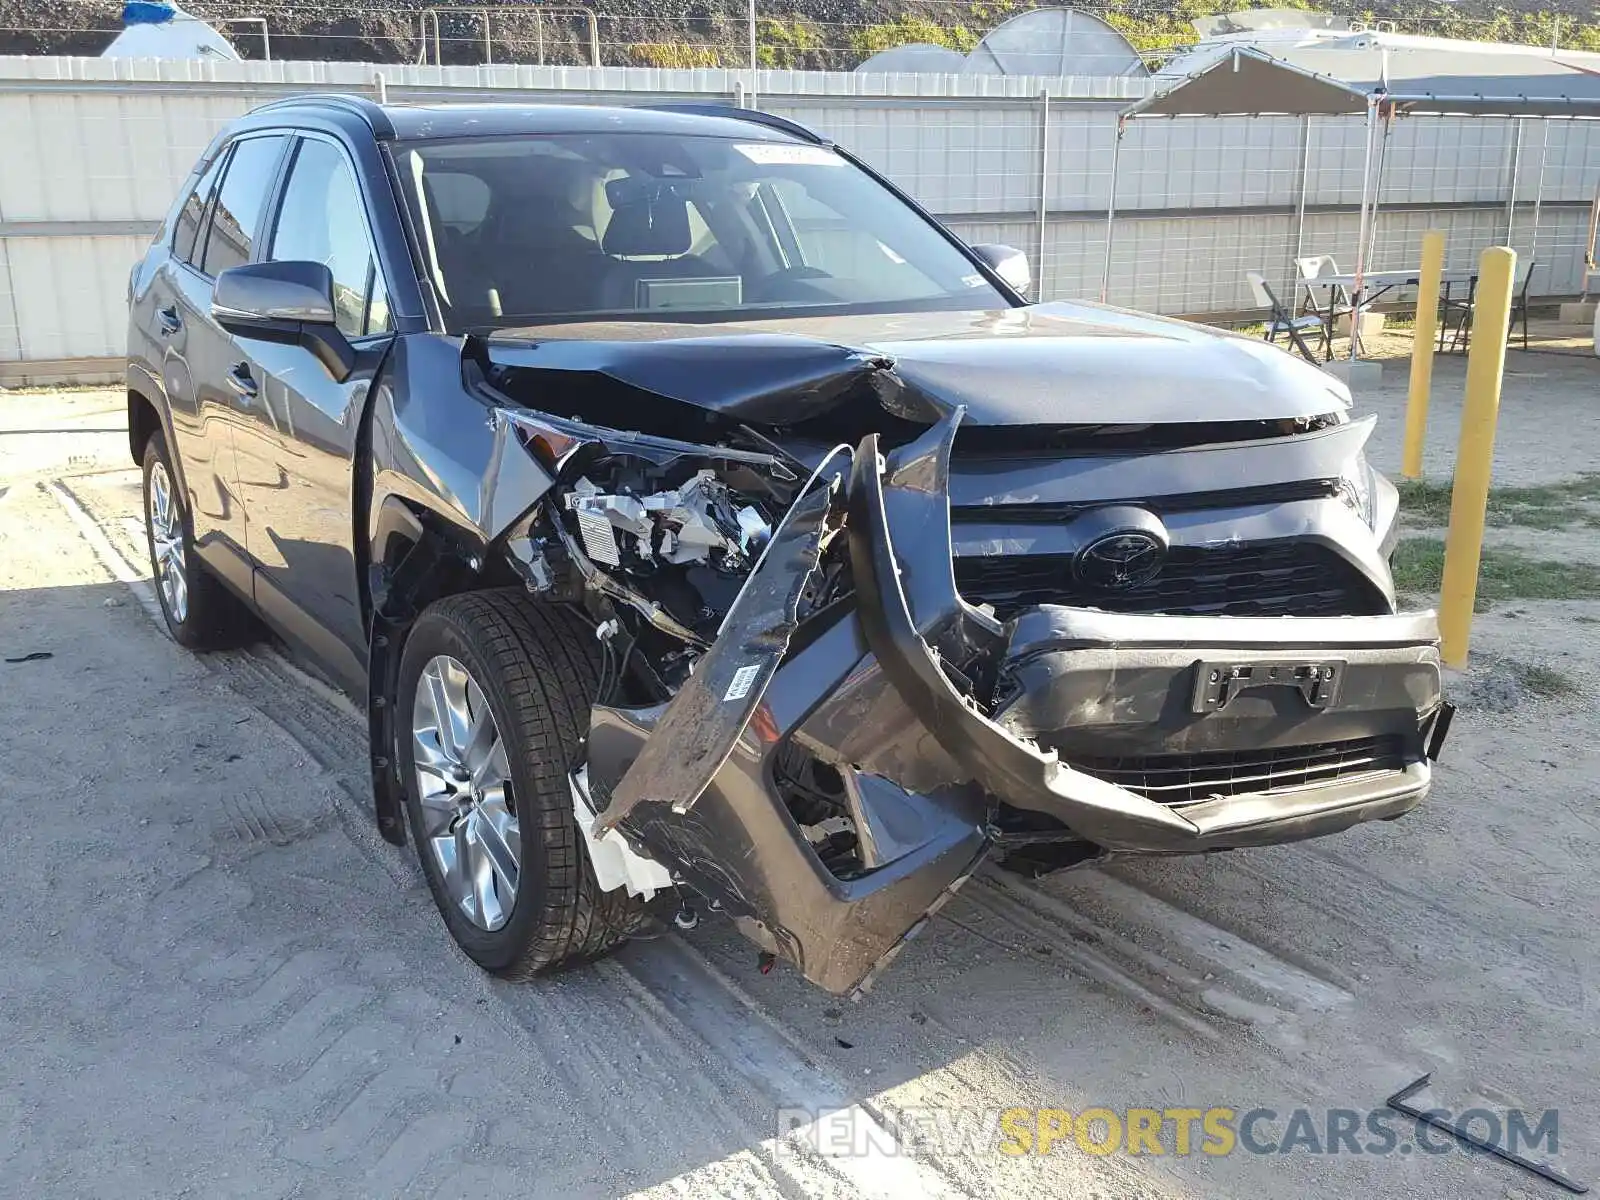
(166, 542)
(463, 782)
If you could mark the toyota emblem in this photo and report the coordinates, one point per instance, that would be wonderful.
(1116, 562)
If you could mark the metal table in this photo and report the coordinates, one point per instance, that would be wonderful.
(1379, 283)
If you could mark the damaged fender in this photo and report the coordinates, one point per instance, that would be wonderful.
(690, 780)
(700, 726)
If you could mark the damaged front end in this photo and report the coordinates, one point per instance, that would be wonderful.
(806, 720)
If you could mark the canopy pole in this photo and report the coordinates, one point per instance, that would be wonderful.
(1516, 170)
(1300, 204)
(1361, 232)
(1377, 182)
(1111, 210)
(755, 61)
(1538, 196)
(1044, 189)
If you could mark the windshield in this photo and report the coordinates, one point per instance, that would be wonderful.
(528, 229)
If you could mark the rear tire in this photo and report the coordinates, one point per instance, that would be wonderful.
(537, 669)
(201, 613)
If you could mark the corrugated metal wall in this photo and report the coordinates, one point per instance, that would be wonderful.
(96, 148)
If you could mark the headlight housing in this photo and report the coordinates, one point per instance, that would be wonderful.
(1356, 488)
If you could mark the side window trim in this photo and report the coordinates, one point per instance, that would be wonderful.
(366, 298)
(275, 214)
(202, 178)
(280, 192)
(782, 224)
(197, 250)
(280, 177)
(202, 237)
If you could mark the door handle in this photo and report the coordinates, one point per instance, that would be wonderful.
(239, 379)
(169, 320)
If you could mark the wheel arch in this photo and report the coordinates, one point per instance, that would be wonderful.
(145, 418)
(439, 482)
(418, 556)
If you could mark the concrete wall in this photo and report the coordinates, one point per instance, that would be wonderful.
(96, 148)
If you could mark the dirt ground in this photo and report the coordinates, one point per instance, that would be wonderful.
(215, 980)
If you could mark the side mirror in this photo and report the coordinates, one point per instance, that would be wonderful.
(285, 302)
(1007, 262)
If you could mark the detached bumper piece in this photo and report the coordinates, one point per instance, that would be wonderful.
(943, 732)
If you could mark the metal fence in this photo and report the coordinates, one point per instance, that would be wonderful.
(1201, 201)
(96, 149)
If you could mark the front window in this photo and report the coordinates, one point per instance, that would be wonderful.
(236, 216)
(530, 229)
(322, 220)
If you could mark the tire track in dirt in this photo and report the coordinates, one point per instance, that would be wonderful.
(1200, 977)
(302, 1041)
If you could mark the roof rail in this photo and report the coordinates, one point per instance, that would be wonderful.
(377, 120)
(753, 115)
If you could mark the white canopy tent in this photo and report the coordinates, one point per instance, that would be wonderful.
(1368, 77)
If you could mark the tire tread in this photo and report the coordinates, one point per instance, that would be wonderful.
(548, 663)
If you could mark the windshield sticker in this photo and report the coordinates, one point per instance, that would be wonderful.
(972, 280)
(786, 154)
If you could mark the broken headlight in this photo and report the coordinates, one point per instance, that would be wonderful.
(699, 522)
(1356, 489)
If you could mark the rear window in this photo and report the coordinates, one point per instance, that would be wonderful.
(194, 211)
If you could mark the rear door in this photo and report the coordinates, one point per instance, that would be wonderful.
(169, 322)
(297, 449)
(216, 230)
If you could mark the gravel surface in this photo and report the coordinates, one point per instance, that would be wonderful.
(1549, 427)
(218, 981)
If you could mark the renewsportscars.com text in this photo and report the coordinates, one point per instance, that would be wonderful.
(1215, 1131)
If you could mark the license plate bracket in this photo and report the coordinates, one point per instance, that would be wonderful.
(1318, 681)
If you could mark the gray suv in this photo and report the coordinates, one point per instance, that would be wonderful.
(695, 516)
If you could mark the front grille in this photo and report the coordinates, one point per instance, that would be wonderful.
(1262, 579)
(1239, 497)
(1033, 441)
(1179, 779)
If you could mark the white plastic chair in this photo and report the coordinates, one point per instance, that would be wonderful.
(1336, 297)
(1280, 320)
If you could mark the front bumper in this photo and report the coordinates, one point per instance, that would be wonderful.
(933, 780)
(1086, 685)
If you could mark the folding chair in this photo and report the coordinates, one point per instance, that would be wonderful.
(1280, 320)
(1464, 310)
(1337, 299)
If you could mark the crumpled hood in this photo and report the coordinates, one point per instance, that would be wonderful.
(1049, 364)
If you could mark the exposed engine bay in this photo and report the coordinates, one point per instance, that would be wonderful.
(693, 523)
(691, 545)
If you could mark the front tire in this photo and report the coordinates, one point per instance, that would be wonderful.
(200, 612)
(493, 703)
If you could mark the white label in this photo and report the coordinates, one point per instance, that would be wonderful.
(789, 154)
(743, 680)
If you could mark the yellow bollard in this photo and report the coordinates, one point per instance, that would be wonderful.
(1469, 497)
(1422, 352)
